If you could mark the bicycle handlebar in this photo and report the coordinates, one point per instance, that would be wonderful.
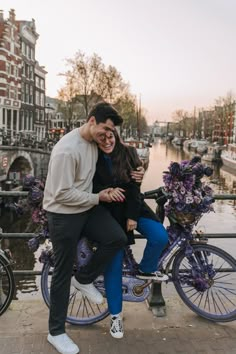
(153, 193)
(158, 194)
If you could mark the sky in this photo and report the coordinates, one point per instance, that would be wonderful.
(175, 54)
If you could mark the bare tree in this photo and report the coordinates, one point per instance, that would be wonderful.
(89, 81)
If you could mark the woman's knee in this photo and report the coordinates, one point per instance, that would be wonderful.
(158, 235)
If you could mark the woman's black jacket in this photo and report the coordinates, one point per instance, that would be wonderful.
(132, 208)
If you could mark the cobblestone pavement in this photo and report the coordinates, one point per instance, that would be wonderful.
(23, 330)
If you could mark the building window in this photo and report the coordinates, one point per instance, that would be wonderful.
(31, 95)
(9, 119)
(42, 100)
(37, 98)
(21, 125)
(37, 81)
(15, 93)
(26, 121)
(41, 116)
(30, 120)
(8, 91)
(42, 84)
(23, 47)
(14, 120)
(3, 116)
(36, 114)
(8, 68)
(26, 93)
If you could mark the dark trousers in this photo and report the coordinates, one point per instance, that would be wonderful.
(65, 231)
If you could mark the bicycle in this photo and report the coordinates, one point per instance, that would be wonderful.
(7, 281)
(204, 276)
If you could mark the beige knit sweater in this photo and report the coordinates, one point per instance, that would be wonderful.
(72, 165)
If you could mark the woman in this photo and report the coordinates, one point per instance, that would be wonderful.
(115, 163)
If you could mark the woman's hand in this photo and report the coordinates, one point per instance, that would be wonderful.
(117, 194)
(131, 224)
(138, 174)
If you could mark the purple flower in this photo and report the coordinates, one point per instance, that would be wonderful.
(187, 193)
(174, 169)
(33, 244)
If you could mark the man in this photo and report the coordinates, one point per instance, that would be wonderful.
(70, 205)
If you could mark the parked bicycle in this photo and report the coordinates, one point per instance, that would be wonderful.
(7, 282)
(204, 276)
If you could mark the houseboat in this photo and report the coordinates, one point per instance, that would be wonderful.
(213, 153)
(142, 150)
(228, 156)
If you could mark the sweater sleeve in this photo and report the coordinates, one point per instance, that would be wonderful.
(62, 188)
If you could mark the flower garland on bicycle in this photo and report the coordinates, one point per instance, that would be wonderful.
(188, 196)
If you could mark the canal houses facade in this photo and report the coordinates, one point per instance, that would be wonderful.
(28, 38)
(10, 75)
(22, 80)
(40, 121)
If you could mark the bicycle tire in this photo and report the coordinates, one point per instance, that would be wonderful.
(81, 311)
(206, 283)
(7, 284)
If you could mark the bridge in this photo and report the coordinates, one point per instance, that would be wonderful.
(17, 161)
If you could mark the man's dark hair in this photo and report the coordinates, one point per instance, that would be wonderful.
(103, 111)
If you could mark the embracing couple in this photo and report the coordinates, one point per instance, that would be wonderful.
(93, 190)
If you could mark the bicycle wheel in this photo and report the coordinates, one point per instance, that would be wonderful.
(81, 310)
(206, 282)
(7, 284)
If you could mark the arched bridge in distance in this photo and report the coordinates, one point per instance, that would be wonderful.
(17, 161)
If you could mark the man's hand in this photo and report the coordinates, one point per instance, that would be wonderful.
(104, 195)
(131, 224)
(117, 194)
(138, 174)
(109, 195)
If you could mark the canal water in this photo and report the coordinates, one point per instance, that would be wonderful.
(161, 154)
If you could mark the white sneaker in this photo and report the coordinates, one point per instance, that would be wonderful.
(63, 344)
(158, 276)
(116, 329)
(89, 291)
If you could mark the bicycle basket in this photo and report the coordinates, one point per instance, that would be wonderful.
(184, 218)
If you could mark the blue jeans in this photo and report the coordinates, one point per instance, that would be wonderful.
(157, 239)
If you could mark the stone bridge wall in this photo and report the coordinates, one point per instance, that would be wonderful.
(22, 160)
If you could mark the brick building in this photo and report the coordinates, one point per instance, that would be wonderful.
(22, 79)
(10, 74)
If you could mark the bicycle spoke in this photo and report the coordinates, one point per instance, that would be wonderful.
(80, 310)
(223, 305)
(206, 281)
(227, 298)
(215, 304)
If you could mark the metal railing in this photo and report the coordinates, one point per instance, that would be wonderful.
(155, 300)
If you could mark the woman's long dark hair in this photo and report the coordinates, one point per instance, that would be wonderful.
(124, 160)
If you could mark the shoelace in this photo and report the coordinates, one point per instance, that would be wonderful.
(117, 324)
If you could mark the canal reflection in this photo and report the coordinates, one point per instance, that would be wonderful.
(161, 154)
(222, 181)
